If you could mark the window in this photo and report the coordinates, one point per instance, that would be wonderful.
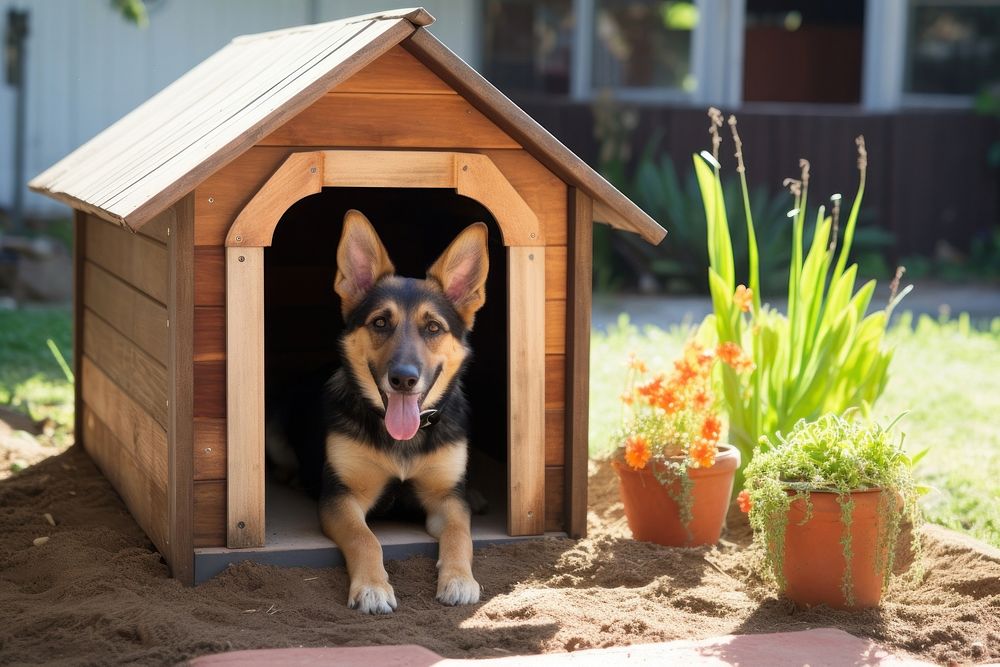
(638, 48)
(643, 44)
(799, 51)
(527, 45)
(952, 48)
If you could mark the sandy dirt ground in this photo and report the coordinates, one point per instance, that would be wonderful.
(95, 592)
(21, 442)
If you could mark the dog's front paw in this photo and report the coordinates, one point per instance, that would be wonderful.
(372, 598)
(457, 589)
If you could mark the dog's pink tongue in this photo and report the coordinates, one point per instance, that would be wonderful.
(402, 416)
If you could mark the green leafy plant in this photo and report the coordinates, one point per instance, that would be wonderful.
(655, 185)
(980, 264)
(833, 454)
(826, 355)
(133, 11)
(657, 188)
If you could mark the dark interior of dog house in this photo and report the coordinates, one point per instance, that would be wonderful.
(303, 323)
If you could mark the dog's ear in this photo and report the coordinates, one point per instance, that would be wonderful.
(461, 271)
(361, 261)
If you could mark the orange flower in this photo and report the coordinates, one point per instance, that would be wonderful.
(703, 453)
(743, 298)
(732, 354)
(667, 400)
(702, 399)
(651, 388)
(627, 398)
(685, 371)
(711, 428)
(705, 358)
(636, 363)
(636, 451)
(743, 500)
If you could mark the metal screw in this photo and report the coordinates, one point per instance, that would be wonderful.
(312, 170)
(241, 525)
(238, 238)
(208, 450)
(531, 257)
(211, 200)
(531, 235)
(465, 167)
(242, 258)
(530, 514)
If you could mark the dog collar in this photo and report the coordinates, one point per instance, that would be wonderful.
(429, 418)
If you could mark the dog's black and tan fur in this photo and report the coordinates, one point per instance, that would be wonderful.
(403, 344)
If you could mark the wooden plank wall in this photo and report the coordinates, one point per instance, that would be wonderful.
(122, 373)
(396, 102)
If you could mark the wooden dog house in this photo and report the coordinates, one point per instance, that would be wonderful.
(177, 202)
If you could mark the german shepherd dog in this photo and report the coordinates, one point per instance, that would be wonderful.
(395, 416)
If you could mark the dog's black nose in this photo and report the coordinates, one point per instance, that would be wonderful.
(403, 377)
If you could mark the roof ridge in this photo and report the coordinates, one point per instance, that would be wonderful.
(418, 16)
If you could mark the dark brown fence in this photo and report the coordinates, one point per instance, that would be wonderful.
(928, 176)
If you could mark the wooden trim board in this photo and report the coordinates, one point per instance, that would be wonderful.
(526, 390)
(245, 397)
(470, 174)
(580, 290)
(180, 390)
(79, 264)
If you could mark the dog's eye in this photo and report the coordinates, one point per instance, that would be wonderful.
(380, 323)
(433, 327)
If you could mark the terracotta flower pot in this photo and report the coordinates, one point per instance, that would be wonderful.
(814, 556)
(654, 516)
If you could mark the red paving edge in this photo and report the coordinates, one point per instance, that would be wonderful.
(345, 656)
(817, 648)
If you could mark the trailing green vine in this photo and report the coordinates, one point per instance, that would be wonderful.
(833, 454)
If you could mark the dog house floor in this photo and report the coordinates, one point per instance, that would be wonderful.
(294, 538)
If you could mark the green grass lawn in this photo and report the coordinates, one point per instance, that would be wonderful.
(31, 379)
(944, 375)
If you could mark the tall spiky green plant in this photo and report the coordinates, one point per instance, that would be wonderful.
(826, 355)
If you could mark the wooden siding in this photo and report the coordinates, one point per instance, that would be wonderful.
(210, 513)
(222, 196)
(145, 496)
(396, 72)
(140, 318)
(130, 448)
(138, 374)
(390, 120)
(122, 374)
(135, 259)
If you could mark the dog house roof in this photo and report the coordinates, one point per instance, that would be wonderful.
(163, 149)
